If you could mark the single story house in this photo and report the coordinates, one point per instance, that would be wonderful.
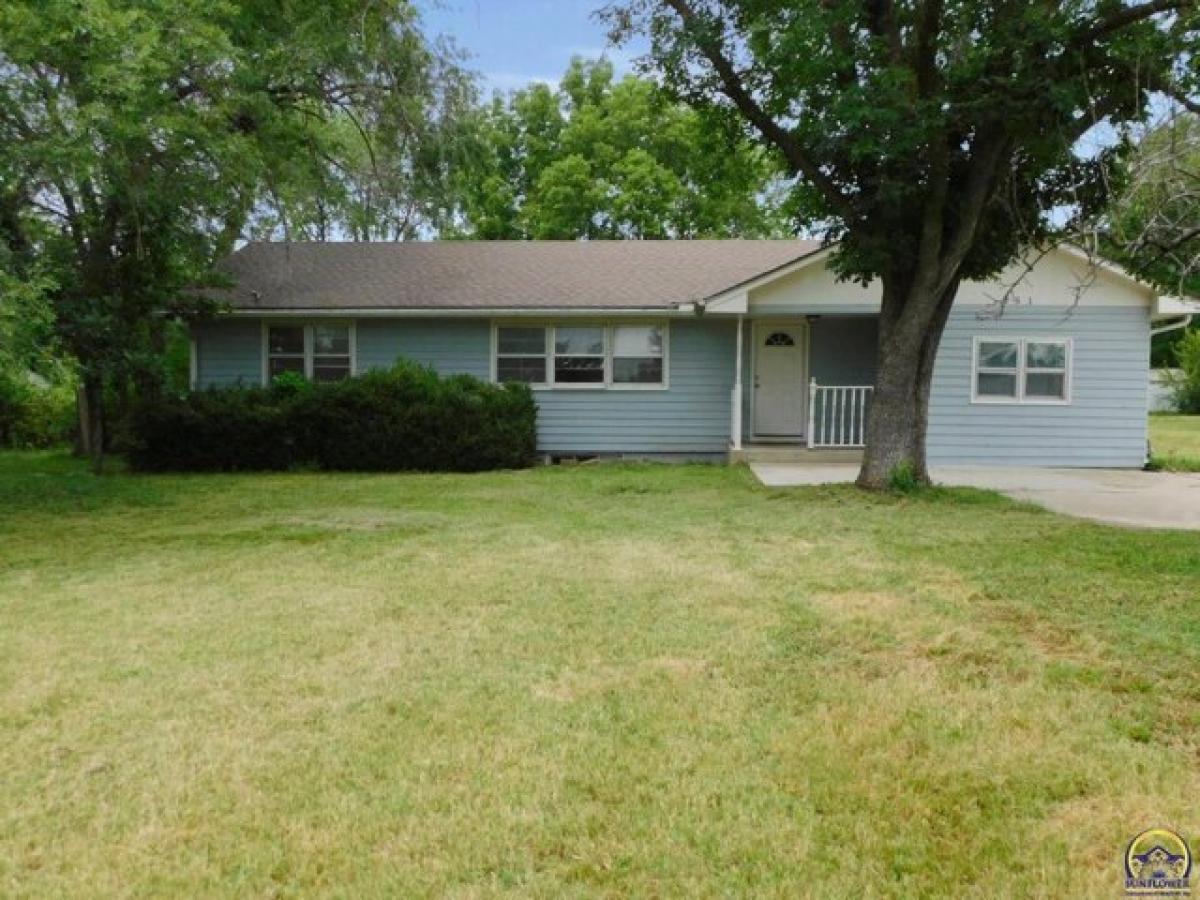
(702, 348)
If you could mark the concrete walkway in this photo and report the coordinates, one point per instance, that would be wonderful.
(1118, 496)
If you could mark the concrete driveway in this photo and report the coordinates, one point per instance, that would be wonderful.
(1118, 496)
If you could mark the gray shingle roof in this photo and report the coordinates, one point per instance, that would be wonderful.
(497, 274)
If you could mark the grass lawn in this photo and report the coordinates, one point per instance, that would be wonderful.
(1176, 442)
(618, 680)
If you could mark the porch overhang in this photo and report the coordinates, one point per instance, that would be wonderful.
(1166, 307)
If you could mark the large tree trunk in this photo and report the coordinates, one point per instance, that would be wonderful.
(909, 335)
(83, 435)
(91, 420)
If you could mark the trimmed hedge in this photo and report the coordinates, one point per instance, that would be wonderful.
(403, 419)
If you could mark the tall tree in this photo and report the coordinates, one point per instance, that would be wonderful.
(933, 138)
(386, 173)
(601, 158)
(138, 138)
(1153, 226)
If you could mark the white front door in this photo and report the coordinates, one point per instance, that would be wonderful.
(779, 389)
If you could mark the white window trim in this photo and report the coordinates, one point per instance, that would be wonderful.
(549, 325)
(545, 355)
(1022, 370)
(495, 350)
(308, 326)
(611, 355)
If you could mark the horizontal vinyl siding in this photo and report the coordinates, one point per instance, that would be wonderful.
(1104, 425)
(1105, 422)
(690, 417)
(450, 346)
(228, 353)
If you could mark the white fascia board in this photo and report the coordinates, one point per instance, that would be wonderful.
(1165, 307)
(477, 313)
(736, 302)
(726, 300)
(1105, 265)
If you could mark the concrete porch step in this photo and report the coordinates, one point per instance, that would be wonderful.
(795, 453)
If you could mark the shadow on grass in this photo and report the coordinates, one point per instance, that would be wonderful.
(54, 481)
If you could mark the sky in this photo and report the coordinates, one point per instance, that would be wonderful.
(514, 42)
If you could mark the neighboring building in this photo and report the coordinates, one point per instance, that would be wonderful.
(702, 348)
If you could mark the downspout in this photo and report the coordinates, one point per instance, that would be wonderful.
(1172, 326)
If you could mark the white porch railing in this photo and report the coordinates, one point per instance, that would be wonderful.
(837, 414)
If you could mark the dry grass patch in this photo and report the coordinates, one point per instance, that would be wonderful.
(573, 685)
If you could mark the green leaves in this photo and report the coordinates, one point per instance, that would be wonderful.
(612, 159)
(142, 138)
(961, 112)
(1154, 227)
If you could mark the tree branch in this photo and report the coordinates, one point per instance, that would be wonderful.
(1128, 15)
(991, 147)
(882, 19)
(843, 42)
(733, 88)
(929, 22)
(1168, 245)
(1192, 106)
(1171, 90)
(1097, 113)
(933, 230)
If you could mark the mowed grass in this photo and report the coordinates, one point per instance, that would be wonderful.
(1175, 440)
(627, 680)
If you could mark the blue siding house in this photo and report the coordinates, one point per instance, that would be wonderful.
(703, 349)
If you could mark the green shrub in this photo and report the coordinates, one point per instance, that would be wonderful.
(212, 431)
(404, 419)
(33, 415)
(290, 383)
(1185, 387)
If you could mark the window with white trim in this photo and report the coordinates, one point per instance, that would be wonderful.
(579, 354)
(1045, 370)
(1022, 370)
(521, 354)
(582, 355)
(331, 352)
(285, 350)
(320, 352)
(637, 354)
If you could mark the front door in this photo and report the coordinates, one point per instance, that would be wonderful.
(779, 388)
